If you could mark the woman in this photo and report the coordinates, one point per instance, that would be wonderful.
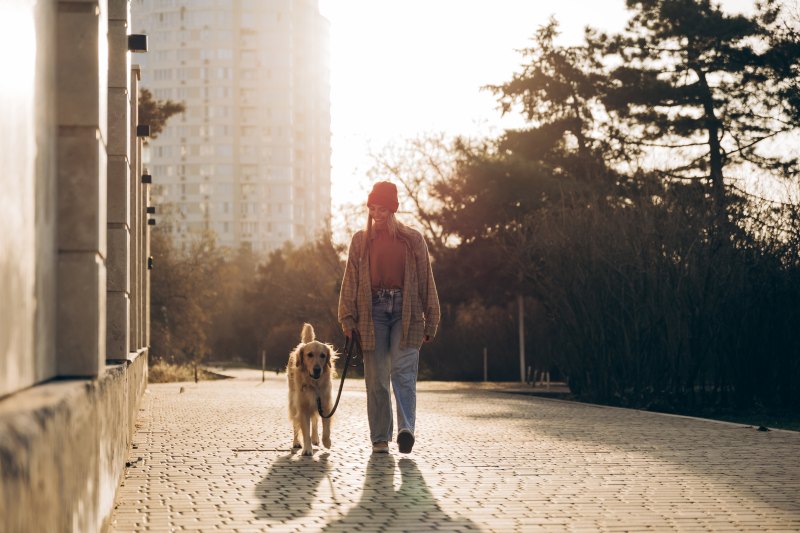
(389, 298)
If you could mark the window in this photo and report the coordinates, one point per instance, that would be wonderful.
(186, 54)
(162, 74)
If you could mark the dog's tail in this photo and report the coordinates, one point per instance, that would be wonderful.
(307, 335)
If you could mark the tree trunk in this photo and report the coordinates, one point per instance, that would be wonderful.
(714, 149)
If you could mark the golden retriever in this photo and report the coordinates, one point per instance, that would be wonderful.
(310, 371)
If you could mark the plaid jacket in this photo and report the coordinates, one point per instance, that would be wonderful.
(421, 312)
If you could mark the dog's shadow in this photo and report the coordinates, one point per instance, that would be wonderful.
(382, 508)
(284, 492)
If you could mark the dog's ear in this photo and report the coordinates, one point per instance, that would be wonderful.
(307, 334)
(328, 357)
(299, 359)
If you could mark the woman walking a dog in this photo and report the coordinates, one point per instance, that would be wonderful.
(389, 298)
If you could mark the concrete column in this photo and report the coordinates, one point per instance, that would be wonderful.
(146, 278)
(119, 142)
(82, 80)
(135, 215)
(145, 289)
(141, 230)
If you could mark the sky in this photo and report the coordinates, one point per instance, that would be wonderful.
(405, 68)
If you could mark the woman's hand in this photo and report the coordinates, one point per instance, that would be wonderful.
(426, 338)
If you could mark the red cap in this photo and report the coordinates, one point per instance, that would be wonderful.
(384, 194)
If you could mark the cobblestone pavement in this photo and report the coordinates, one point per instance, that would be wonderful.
(216, 457)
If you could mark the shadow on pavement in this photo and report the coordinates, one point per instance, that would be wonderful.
(412, 507)
(742, 458)
(285, 489)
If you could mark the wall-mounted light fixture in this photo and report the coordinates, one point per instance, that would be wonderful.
(137, 42)
(151, 209)
(143, 130)
(147, 178)
(151, 222)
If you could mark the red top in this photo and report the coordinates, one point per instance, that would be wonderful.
(387, 261)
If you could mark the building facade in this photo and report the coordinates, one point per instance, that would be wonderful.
(249, 159)
(74, 327)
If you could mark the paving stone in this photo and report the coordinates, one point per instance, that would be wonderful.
(217, 457)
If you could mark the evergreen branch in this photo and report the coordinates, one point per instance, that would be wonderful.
(656, 145)
(761, 198)
(741, 147)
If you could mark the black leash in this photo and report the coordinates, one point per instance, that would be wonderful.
(350, 342)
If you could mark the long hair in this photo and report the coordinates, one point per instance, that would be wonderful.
(392, 226)
(395, 228)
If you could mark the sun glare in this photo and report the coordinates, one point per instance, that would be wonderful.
(403, 69)
(17, 49)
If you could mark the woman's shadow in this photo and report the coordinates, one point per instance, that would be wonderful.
(411, 507)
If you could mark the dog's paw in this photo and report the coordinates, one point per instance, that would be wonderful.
(326, 441)
(315, 442)
(308, 453)
(297, 445)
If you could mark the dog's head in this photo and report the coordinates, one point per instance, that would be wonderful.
(316, 358)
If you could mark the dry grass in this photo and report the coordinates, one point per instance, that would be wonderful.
(163, 372)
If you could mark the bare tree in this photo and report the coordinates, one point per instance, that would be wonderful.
(417, 166)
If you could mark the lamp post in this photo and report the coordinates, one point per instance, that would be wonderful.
(521, 309)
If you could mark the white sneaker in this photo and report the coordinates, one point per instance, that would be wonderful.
(380, 447)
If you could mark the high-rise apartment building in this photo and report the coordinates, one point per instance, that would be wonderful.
(249, 159)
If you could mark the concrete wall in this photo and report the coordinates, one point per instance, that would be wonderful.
(27, 202)
(69, 392)
(63, 448)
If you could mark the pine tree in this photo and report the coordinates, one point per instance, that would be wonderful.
(156, 113)
(694, 80)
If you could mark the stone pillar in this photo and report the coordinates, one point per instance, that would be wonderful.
(119, 143)
(135, 215)
(140, 258)
(82, 81)
(146, 280)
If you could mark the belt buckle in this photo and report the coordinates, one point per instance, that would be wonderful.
(385, 293)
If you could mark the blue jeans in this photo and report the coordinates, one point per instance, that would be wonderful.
(389, 361)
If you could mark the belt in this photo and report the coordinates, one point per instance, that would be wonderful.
(386, 292)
